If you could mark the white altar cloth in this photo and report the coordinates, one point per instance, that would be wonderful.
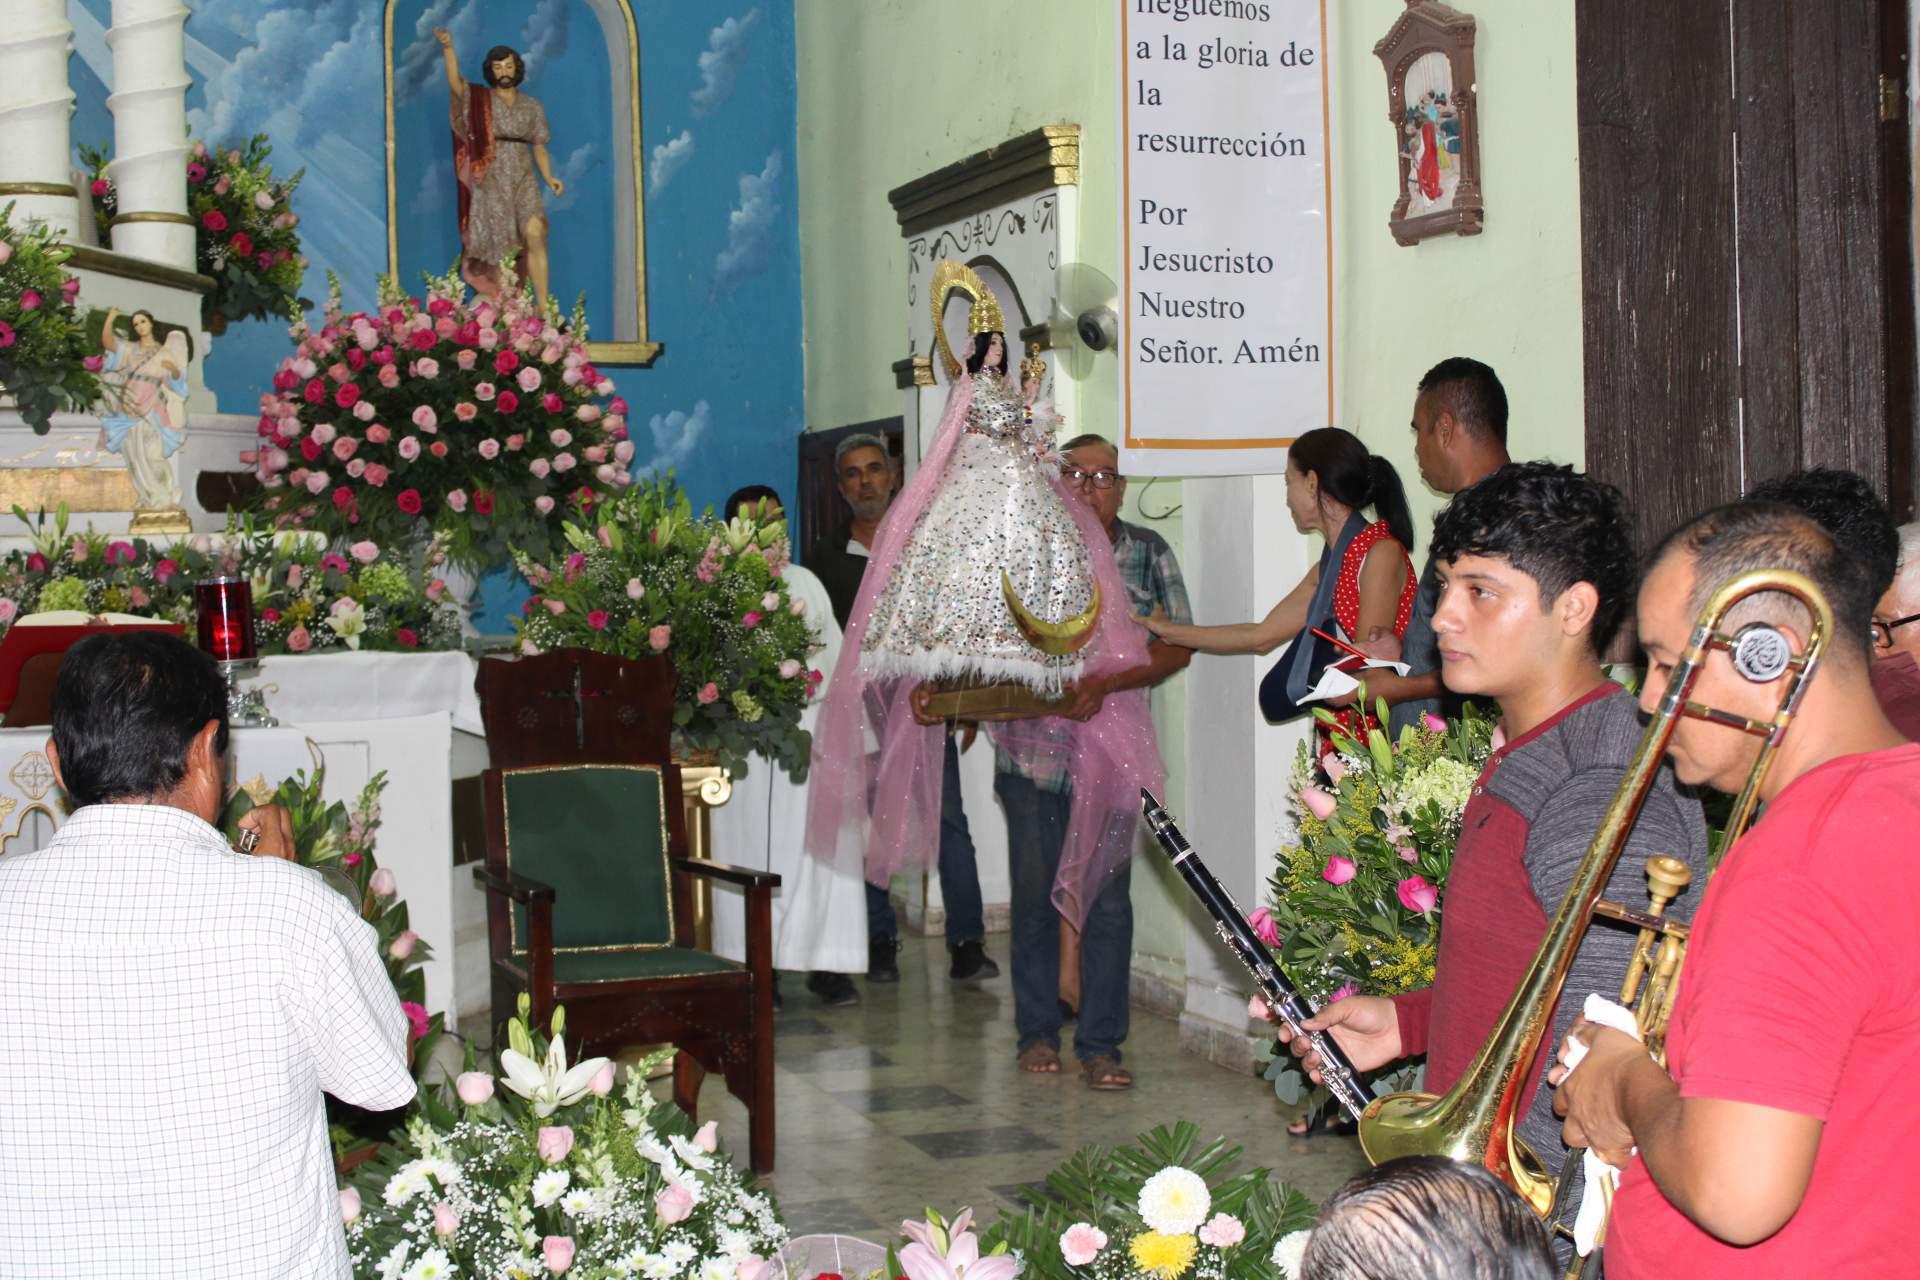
(307, 687)
(415, 839)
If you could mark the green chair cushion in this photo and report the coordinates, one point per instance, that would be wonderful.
(623, 966)
(598, 834)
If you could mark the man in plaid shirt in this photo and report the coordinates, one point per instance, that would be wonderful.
(173, 1008)
(1038, 800)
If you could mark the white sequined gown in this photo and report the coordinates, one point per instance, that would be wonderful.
(943, 613)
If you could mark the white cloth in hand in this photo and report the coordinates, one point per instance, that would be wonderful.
(1602, 1179)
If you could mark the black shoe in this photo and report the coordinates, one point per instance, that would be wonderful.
(882, 962)
(971, 963)
(834, 989)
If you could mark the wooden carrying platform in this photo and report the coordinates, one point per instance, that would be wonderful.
(977, 700)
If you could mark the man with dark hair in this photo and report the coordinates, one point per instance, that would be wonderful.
(1459, 439)
(174, 1008)
(1777, 1140)
(1427, 1216)
(1536, 572)
(864, 473)
(1896, 640)
(819, 911)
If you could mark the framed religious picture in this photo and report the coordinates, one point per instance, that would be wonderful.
(1433, 106)
(513, 156)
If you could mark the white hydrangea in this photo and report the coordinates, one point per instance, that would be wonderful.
(1444, 780)
(1287, 1252)
(1175, 1201)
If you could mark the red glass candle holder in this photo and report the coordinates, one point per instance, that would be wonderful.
(224, 608)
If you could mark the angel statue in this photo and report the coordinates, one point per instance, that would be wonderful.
(145, 386)
(499, 139)
(986, 571)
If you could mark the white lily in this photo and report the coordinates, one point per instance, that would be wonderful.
(549, 1085)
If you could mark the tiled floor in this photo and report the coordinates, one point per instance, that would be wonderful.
(911, 1099)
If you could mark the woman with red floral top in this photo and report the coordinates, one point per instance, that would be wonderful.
(1364, 580)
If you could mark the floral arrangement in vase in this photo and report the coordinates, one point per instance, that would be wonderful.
(551, 1167)
(47, 359)
(336, 840)
(1164, 1208)
(484, 423)
(244, 228)
(307, 597)
(643, 576)
(1355, 898)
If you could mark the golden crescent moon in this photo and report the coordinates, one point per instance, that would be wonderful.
(947, 277)
(1056, 639)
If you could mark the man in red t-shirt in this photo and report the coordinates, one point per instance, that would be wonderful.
(1536, 567)
(1779, 1139)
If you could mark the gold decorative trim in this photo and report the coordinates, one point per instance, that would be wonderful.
(8, 805)
(108, 263)
(150, 523)
(82, 489)
(38, 189)
(914, 371)
(1046, 157)
(640, 350)
(148, 215)
(666, 864)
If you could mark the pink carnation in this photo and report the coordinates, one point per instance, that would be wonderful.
(1081, 1242)
(1223, 1231)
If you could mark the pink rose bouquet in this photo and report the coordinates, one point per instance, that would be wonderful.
(44, 341)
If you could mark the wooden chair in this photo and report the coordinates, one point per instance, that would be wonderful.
(589, 887)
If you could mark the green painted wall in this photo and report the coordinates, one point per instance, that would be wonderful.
(887, 94)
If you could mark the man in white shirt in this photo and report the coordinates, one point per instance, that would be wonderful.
(174, 1009)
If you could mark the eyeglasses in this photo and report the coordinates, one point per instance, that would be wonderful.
(1101, 479)
(1883, 631)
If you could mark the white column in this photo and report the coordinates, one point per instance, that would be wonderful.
(36, 109)
(149, 105)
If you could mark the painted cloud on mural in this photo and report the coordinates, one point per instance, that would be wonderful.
(667, 159)
(720, 61)
(675, 436)
(750, 223)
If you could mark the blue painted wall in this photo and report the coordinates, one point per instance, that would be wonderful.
(723, 404)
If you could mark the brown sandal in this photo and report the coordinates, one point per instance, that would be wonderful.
(1105, 1074)
(1040, 1059)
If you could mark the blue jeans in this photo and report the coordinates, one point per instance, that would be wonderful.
(1036, 834)
(959, 872)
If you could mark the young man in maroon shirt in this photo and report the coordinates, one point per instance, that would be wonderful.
(1779, 1139)
(1537, 569)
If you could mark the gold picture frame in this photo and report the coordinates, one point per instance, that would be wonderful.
(640, 350)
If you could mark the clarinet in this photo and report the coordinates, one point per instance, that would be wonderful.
(1287, 1003)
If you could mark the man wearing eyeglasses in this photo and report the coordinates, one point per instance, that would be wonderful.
(1896, 640)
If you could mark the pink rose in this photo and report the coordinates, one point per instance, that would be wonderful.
(438, 448)
(597, 619)
(296, 573)
(528, 378)
(515, 443)
(349, 1204)
(1223, 1231)
(376, 475)
(1416, 894)
(594, 453)
(436, 589)
(623, 452)
(1320, 804)
(378, 434)
(1263, 926)
(410, 448)
(707, 1138)
(317, 481)
(635, 588)
(555, 607)
(364, 410)
(561, 437)
(1407, 853)
(403, 945)
(263, 200)
(790, 669)
(557, 1251)
(552, 402)
(365, 552)
(138, 597)
(543, 504)
(345, 447)
(474, 1087)
(417, 1019)
(466, 411)
(357, 467)
(588, 413)
(675, 1204)
(770, 601)
(1080, 1242)
(1432, 723)
(555, 1141)
(751, 619)
(299, 640)
(382, 883)
(389, 376)
(1339, 870)
(323, 433)
(426, 367)
(465, 359)
(608, 474)
(456, 500)
(445, 1220)
(602, 1082)
(1331, 765)
(563, 463)
(29, 300)
(752, 1267)
(489, 448)
(660, 637)
(425, 418)
(709, 694)
(540, 468)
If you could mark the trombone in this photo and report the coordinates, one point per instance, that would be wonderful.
(1476, 1120)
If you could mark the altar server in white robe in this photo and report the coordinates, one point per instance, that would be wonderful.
(819, 912)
